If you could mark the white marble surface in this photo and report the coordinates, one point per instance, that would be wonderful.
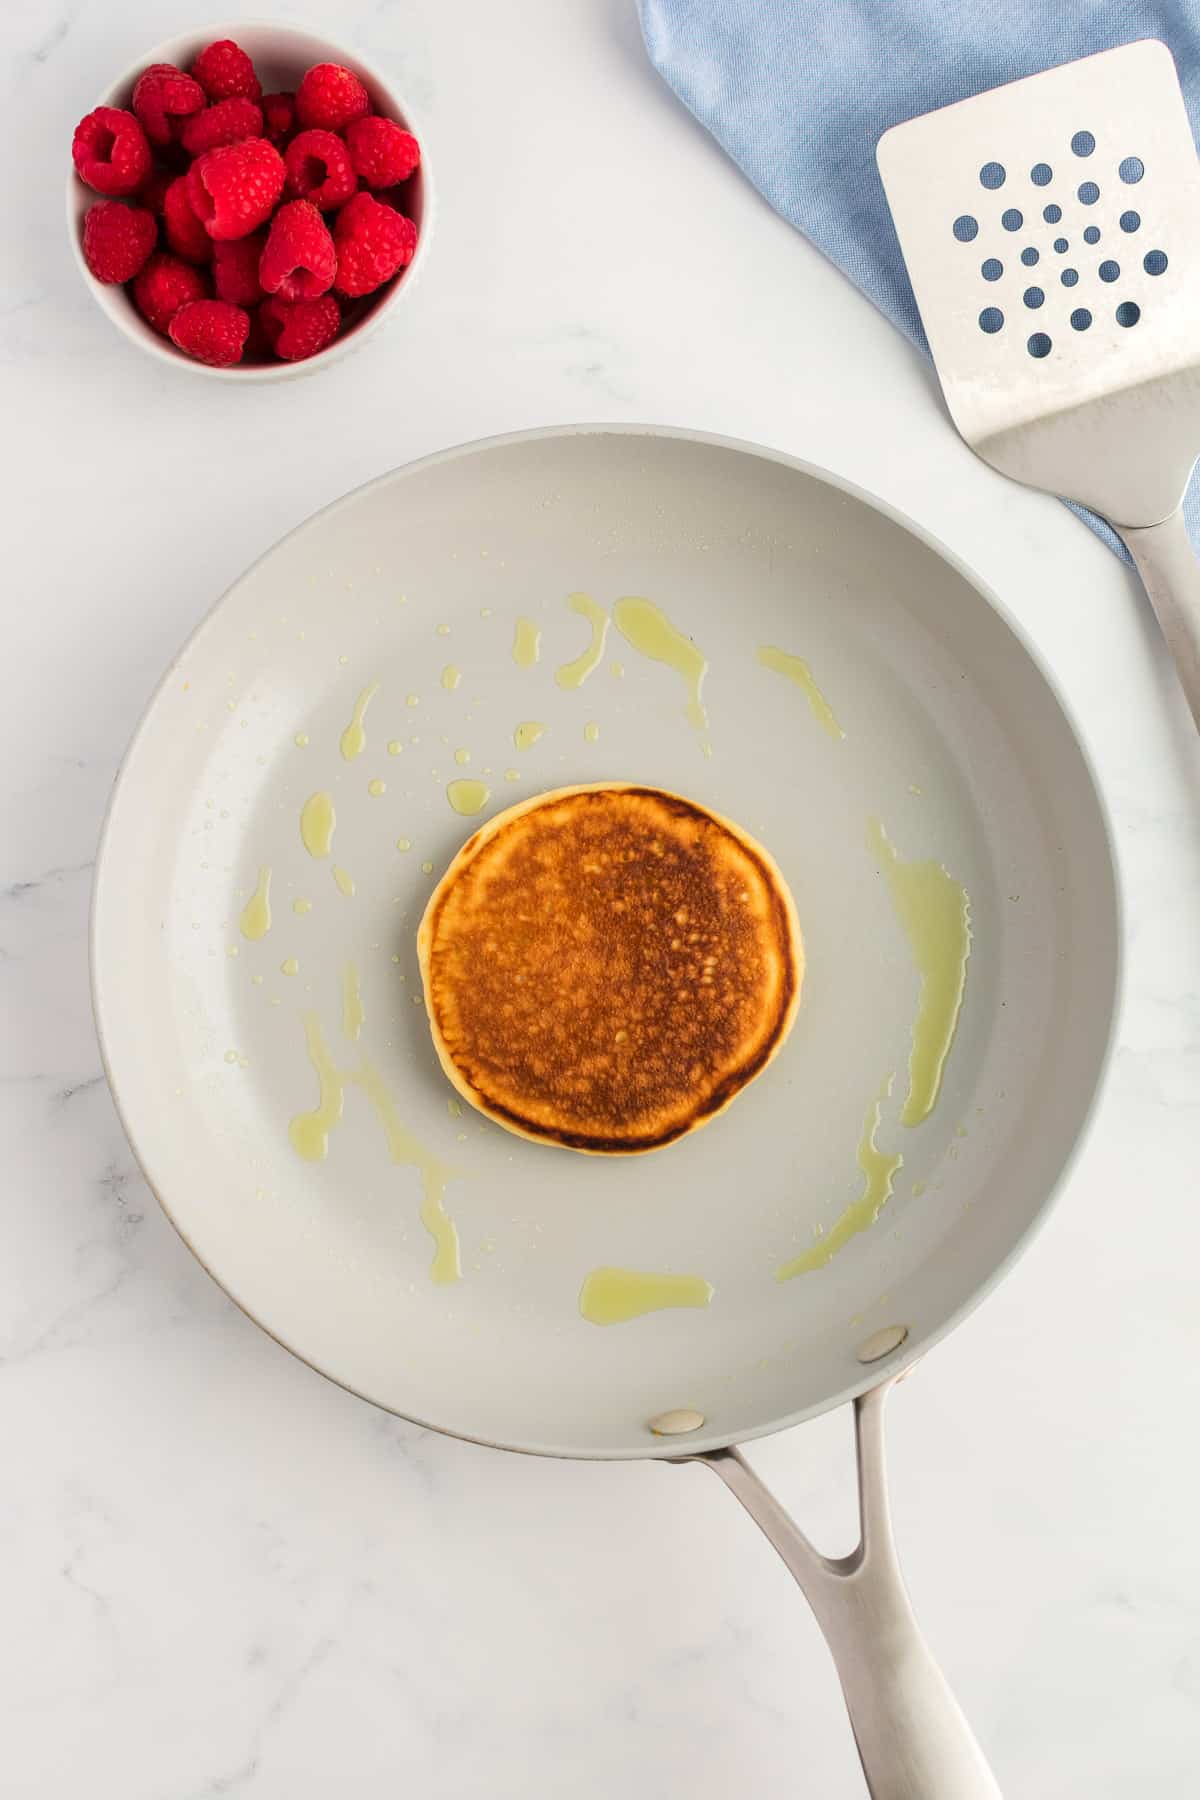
(222, 1575)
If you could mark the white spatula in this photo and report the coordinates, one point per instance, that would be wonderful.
(1051, 230)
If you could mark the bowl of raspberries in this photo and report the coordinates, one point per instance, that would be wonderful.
(248, 205)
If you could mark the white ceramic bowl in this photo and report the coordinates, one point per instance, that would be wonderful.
(280, 55)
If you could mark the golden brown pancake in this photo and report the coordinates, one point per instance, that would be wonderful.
(606, 967)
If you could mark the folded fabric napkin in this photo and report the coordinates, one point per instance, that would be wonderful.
(798, 95)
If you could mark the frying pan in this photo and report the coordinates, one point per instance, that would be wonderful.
(953, 738)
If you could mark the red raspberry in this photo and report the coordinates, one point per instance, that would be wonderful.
(279, 116)
(162, 93)
(225, 72)
(210, 330)
(117, 239)
(225, 122)
(372, 241)
(235, 270)
(300, 328)
(318, 166)
(299, 260)
(110, 151)
(184, 232)
(163, 286)
(381, 151)
(330, 96)
(153, 192)
(234, 188)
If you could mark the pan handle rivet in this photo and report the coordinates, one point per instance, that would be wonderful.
(882, 1343)
(674, 1423)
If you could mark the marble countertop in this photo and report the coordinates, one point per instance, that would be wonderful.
(223, 1575)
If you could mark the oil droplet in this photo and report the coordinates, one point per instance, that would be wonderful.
(231, 949)
(918, 1188)
(257, 980)
(376, 788)
(796, 669)
(936, 915)
(454, 1107)
(527, 734)
(616, 670)
(652, 634)
(301, 740)
(427, 868)
(255, 921)
(468, 797)
(344, 882)
(512, 774)
(914, 790)
(289, 966)
(462, 757)
(353, 740)
(231, 1056)
(574, 674)
(404, 843)
(527, 644)
(451, 677)
(353, 1014)
(485, 612)
(300, 905)
(591, 732)
(317, 823)
(443, 631)
(412, 700)
(395, 748)
(613, 1296)
(879, 1172)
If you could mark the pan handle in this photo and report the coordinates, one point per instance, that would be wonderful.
(912, 1738)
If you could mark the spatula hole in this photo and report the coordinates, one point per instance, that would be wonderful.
(1081, 318)
(966, 228)
(1109, 271)
(992, 175)
(1033, 297)
(1128, 313)
(1062, 245)
(1012, 219)
(991, 319)
(1052, 213)
(1092, 235)
(992, 269)
(1039, 344)
(1083, 143)
(1029, 257)
(1041, 174)
(1069, 277)
(1154, 262)
(1088, 193)
(1130, 221)
(1132, 170)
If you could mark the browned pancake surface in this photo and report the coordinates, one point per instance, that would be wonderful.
(606, 968)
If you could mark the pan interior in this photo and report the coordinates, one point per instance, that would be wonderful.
(952, 740)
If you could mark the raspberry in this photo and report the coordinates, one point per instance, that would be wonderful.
(372, 242)
(117, 239)
(235, 187)
(225, 122)
(381, 151)
(225, 72)
(279, 116)
(299, 260)
(318, 166)
(153, 192)
(162, 93)
(210, 330)
(184, 232)
(110, 152)
(330, 96)
(235, 270)
(164, 285)
(300, 328)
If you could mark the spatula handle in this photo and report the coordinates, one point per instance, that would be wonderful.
(1170, 573)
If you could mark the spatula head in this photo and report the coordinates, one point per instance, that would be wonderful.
(1051, 230)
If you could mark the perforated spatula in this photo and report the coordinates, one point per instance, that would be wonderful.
(1051, 230)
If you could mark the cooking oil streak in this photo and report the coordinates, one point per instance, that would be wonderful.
(309, 1135)
(527, 644)
(574, 674)
(612, 1296)
(317, 823)
(344, 882)
(879, 1173)
(936, 915)
(468, 797)
(527, 733)
(353, 1014)
(796, 669)
(354, 739)
(451, 676)
(255, 921)
(652, 634)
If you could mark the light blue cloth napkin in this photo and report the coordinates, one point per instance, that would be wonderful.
(798, 95)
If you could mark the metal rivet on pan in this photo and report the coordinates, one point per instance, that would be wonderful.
(674, 1423)
(882, 1343)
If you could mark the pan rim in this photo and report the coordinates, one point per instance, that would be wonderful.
(656, 1449)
